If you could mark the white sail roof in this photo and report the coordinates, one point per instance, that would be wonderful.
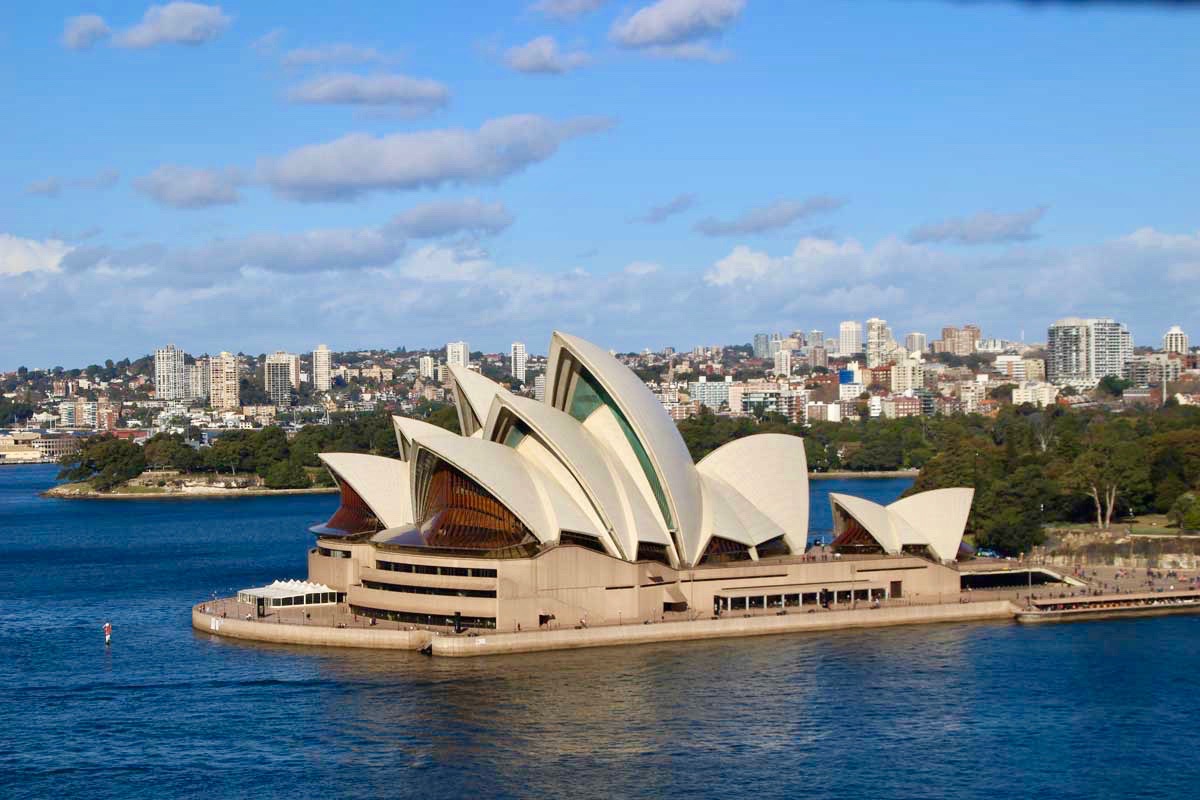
(654, 429)
(381, 482)
(935, 519)
(473, 395)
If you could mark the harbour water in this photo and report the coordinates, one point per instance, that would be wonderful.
(991, 710)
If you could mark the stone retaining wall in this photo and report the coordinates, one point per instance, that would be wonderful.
(498, 643)
(310, 634)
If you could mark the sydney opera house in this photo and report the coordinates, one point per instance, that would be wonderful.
(587, 509)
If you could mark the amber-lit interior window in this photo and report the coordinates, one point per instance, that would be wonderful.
(854, 538)
(353, 515)
(459, 513)
(723, 550)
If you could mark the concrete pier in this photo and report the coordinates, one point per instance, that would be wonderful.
(486, 643)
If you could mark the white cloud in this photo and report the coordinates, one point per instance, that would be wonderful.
(541, 55)
(45, 187)
(189, 187)
(53, 185)
(774, 216)
(359, 163)
(641, 268)
(456, 216)
(676, 205)
(566, 9)
(20, 256)
(175, 23)
(986, 227)
(336, 53)
(413, 95)
(80, 33)
(668, 24)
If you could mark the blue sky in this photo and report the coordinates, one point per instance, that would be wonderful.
(254, 176)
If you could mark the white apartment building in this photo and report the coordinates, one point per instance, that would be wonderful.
(907, 373)
(1175, 341)
(711, 394)
(170, 373)
(850, 337)
(198, 380)
(1082, 351)
(916, 343)
(458, 354)
(322, 368)
(783, 362)
(1036, 393)
(426, 366)
(282, 376)
(1010, 366)
(879, 341)
(518, 357)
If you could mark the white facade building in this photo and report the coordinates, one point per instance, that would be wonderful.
(783, 362)
(282, 375)
(322, 368)
(1082, 351)
(426, 367)
(850, 338)
(458, 354)
(1036, 393)
(518, 356)
(170, 373)
(1175, 341)
(879, 342)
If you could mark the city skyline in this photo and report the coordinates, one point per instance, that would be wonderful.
(512, 182)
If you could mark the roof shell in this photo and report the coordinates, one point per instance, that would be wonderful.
(477, 392)
(654, 428)
(935, 518)
(538, 501)
(769, 470)
(381, 482)
(587, 460)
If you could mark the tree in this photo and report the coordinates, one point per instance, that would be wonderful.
(1112, 386)
(286, 475)
(104, 462)
(1185, 513)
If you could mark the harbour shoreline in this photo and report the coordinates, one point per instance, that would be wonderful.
(490, 643)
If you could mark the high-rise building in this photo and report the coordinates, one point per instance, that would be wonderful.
(517, 353)
(850, 337)
(961, 341)
(281, 374)
(170, 373)
(322, 368)
(198, 379)
(879, 341)
(458, 354)
(815, 337)
(224, 382)
(783, 362)
(760, 345)
(916, 343)
(1079, 352)
(426, 366)
(539, 388)
(1175, 341)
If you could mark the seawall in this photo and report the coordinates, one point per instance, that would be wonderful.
(321, 635)
(575, 638)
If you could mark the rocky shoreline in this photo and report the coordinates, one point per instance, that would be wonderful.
(77, 492)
